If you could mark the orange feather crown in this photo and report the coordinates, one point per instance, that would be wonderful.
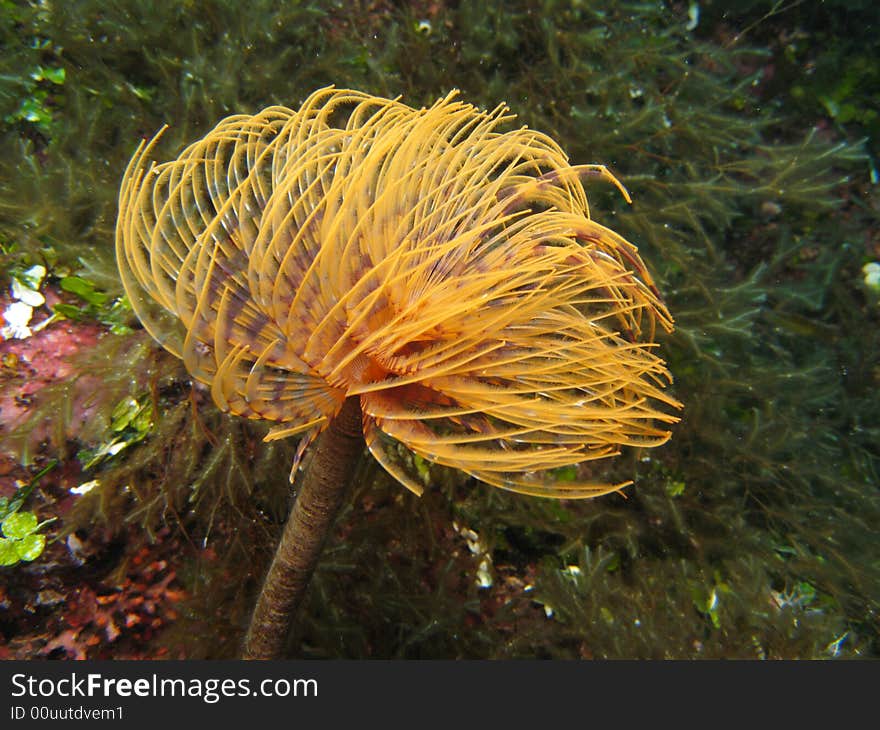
(445, 273)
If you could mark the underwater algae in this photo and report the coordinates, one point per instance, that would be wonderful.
(751, 533)
(443, 275)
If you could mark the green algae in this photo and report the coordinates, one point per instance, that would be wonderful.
(751, 534)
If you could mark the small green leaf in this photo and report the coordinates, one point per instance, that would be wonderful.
(116, 316)
(55, 75)
(84, 290)
(124, 413)
(19, 524)
(30, 547)
(68, 311)
(806, 593)
(23, 492)
(143, 421)
(93, 457)
(32, 110)
(120, 329)
(8, 553)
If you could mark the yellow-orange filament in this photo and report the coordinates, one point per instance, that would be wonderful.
(446, 273)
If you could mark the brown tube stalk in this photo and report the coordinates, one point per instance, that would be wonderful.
(320, 495)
